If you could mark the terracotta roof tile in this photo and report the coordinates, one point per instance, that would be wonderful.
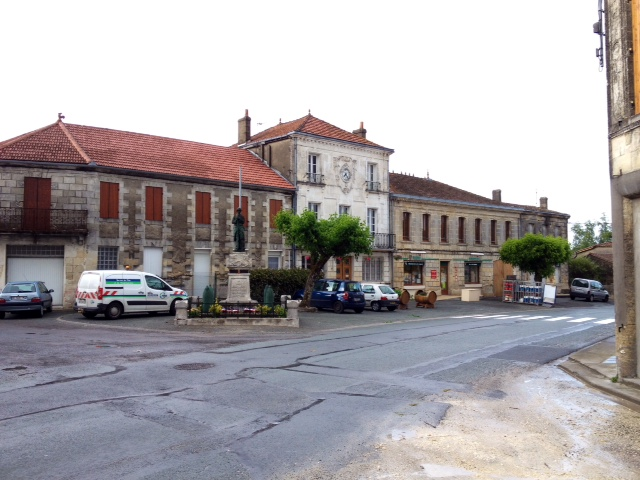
(402, 184)
(312, 126)
(77, 144)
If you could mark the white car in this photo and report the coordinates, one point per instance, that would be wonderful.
(379, 295)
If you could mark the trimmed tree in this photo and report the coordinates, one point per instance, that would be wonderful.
(337, 236)
(536, 254)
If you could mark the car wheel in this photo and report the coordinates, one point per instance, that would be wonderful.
(89, 314)
(50, 307)
(590, 297)
(606, 298)
(40, 313)
(375, 306)
(172, 308)
(391, 309)
(358, 310)
(572, 297)
(1, 315)
(113, 311)
(338, 307)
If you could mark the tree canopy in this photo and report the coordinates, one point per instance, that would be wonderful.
(337, 236)
(536, 254)
(585, 234)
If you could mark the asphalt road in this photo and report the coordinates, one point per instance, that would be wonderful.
(143, 398)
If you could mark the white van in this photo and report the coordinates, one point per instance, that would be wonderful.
(114, 292)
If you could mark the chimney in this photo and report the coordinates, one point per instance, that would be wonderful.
(497, 195)
(361, 131)
(543, 203)
(244, 128)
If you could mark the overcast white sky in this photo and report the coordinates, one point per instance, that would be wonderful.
(479, 95)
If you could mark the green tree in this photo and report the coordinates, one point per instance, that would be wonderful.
(585, 235)
(536, 254)
(583, 267)
(338, 236)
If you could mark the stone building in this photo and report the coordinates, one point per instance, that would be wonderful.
(449, 239)
(622, 18)
(334, 172)
(76, 198)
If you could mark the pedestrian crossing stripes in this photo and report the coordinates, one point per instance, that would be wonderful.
(543, 318)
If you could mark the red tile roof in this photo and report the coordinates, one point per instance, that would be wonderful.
(312, 126)
(82, 145)
(401, 184)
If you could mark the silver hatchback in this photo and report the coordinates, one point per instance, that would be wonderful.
(588, 289)
(27, 296)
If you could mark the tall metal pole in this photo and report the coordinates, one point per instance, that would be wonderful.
(240, 190)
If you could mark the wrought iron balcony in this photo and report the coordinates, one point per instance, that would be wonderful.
(315, 177)
(383, 241)
(39, 220)
(373, 186)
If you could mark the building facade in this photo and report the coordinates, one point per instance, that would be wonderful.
(622, 18)
(334, 172)
(449, 239)
(77, 198)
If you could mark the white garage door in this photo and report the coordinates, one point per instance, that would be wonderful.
(201, 271)
(49, 270)
(152, 260)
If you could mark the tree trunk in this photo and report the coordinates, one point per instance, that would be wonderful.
(315, 274)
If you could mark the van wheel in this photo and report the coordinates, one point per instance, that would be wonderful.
(113, 311)
(338, 307)
(375, 306)
(172, 308)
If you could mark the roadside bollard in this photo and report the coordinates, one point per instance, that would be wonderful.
(181, 312)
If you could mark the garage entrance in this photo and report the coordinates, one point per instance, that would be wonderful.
(38, 262)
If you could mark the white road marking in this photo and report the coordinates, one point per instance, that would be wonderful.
(605, 322)
(580, 320)
(556, 319)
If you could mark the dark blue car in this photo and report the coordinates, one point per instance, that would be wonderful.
(339, 295)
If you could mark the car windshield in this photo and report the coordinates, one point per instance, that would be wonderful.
(386, 289)
(19, 288)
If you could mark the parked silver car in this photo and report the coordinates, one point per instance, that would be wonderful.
(26, 296)
(378, 295)
(589, 289)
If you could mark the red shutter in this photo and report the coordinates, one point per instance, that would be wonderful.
(203, 208)
(109, 200)
(245, 207)
(37, 204)
(274, 207)
(154, 203)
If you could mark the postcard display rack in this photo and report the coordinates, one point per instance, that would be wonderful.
(515, 291)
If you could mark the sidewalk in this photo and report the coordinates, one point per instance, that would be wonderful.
(596, 366)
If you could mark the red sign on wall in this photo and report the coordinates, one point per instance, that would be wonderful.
(434, 274)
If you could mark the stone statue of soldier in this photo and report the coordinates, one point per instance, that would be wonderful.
(238, 230)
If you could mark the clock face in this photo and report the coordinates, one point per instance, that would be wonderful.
(345, 173)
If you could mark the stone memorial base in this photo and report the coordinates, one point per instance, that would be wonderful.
(238, 290)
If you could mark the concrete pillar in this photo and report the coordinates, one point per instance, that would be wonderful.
(182, 315)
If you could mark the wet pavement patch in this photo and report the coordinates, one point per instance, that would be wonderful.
(533, 354)
(19, 367)
(194, 366)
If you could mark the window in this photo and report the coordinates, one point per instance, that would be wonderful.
(109, 200)
(343, 209)
(413, 273)
(372, 183)
(472, 272)
(306, 262)
(372, 269)
(426, 219)
(406, 226)
(313, 171)
(444, 229)
(274, 261)
(275, 206)
(494, 233)
(531, 228)
(478, 235)
(107, 258)
(203, 208)
(556, 231)
(462, 238)
(154, 204)
(507, 230)
(314, 207)
(371, 220)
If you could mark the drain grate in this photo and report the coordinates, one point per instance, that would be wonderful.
(194, 366)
